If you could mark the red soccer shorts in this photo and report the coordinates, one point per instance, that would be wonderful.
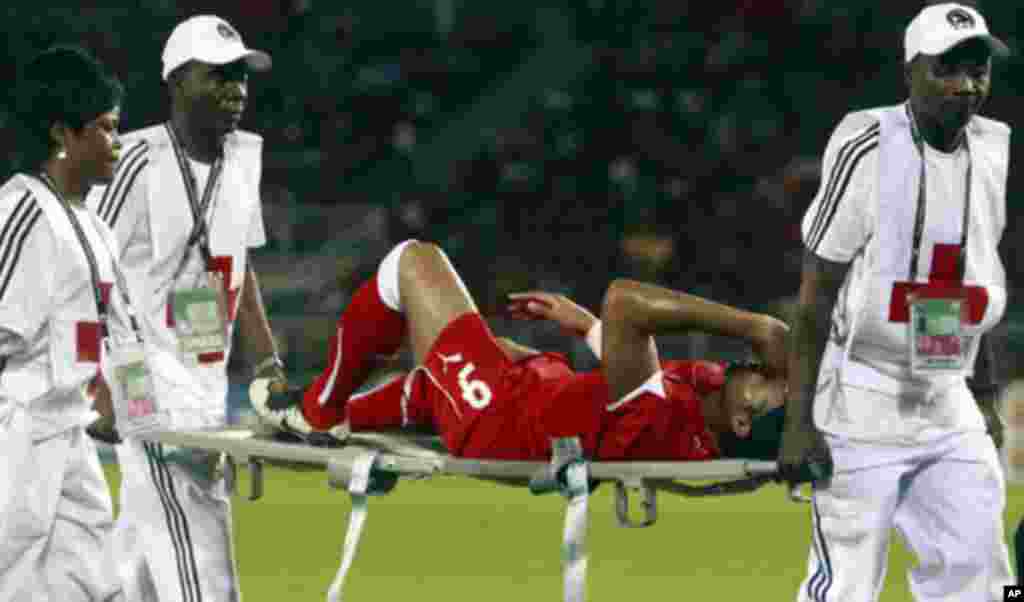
(464, 380)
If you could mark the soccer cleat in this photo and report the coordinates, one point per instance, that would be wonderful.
(280, 407)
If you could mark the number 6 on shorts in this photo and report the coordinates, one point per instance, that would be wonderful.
(476, 392)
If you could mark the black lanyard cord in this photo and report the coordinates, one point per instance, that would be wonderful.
(102, 309)
(200, 233)
(919, 216)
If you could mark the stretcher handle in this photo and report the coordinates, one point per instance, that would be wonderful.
(230, 468)
(382, 479)
(565, 451)
(815, 472)
(731, 487)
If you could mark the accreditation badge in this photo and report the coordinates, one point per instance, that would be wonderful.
(937, 342)
(131, 388)
(200, 315)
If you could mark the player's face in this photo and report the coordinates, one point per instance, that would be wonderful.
(746, 394)
(215, 95)
(94, 149)
(951, 88)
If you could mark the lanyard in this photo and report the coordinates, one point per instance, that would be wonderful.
(961, 262)
(102, 310)
(200, 233)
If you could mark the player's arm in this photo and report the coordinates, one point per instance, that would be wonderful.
(257, 336)
(572, 318)
(633, 312)
(516, 351)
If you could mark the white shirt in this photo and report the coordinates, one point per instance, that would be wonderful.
(149, 211)
(846, 223)
(846, 218)
(48, 313)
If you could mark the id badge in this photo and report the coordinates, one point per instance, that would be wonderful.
(937, 342)
(131, 389)
(200, 316)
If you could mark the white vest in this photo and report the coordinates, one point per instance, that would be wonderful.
(157, 206)
(863, 320)
(868, 346)
(48, 379)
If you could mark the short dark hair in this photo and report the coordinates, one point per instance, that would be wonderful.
(764, 441)
(63, 84)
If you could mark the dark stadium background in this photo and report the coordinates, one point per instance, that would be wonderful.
(550, 145)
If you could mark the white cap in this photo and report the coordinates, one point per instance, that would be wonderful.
(212, 40)
(940, 27)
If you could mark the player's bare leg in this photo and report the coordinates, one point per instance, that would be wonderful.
(416, 292)
(433, 295)
(634, 312)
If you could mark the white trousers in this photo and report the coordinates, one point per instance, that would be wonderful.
(945, 498)
(56, 518)
(173, 535)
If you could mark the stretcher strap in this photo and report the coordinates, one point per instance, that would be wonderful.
(357, 488)
(574, 537)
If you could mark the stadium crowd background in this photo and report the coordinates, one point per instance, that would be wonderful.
(551, 145)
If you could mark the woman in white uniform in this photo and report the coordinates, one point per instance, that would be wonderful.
(62, 313)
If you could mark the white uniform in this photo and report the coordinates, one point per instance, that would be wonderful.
(174, 530)
(56, 516)
(910, 452)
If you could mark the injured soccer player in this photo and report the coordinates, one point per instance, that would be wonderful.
(492, 398)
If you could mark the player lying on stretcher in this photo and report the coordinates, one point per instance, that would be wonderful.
(492, 398)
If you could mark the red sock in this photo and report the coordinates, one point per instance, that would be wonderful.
(367, 329)
(382, 407)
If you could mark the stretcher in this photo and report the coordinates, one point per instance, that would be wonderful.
(368, 464)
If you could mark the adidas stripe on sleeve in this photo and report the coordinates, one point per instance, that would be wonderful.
(26, 266)
(839, 221)
(117, 203)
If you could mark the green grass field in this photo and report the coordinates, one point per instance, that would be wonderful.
(457, 539)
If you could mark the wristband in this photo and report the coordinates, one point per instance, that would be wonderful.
(593, 338)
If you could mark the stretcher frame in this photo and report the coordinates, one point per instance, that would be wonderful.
(373, 463)
(419, 456)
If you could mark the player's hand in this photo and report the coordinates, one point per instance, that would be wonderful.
(539, 305)
(804, 456)
(769, 342)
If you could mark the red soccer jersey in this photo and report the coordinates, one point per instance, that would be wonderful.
(486, 406)
(646, 427)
